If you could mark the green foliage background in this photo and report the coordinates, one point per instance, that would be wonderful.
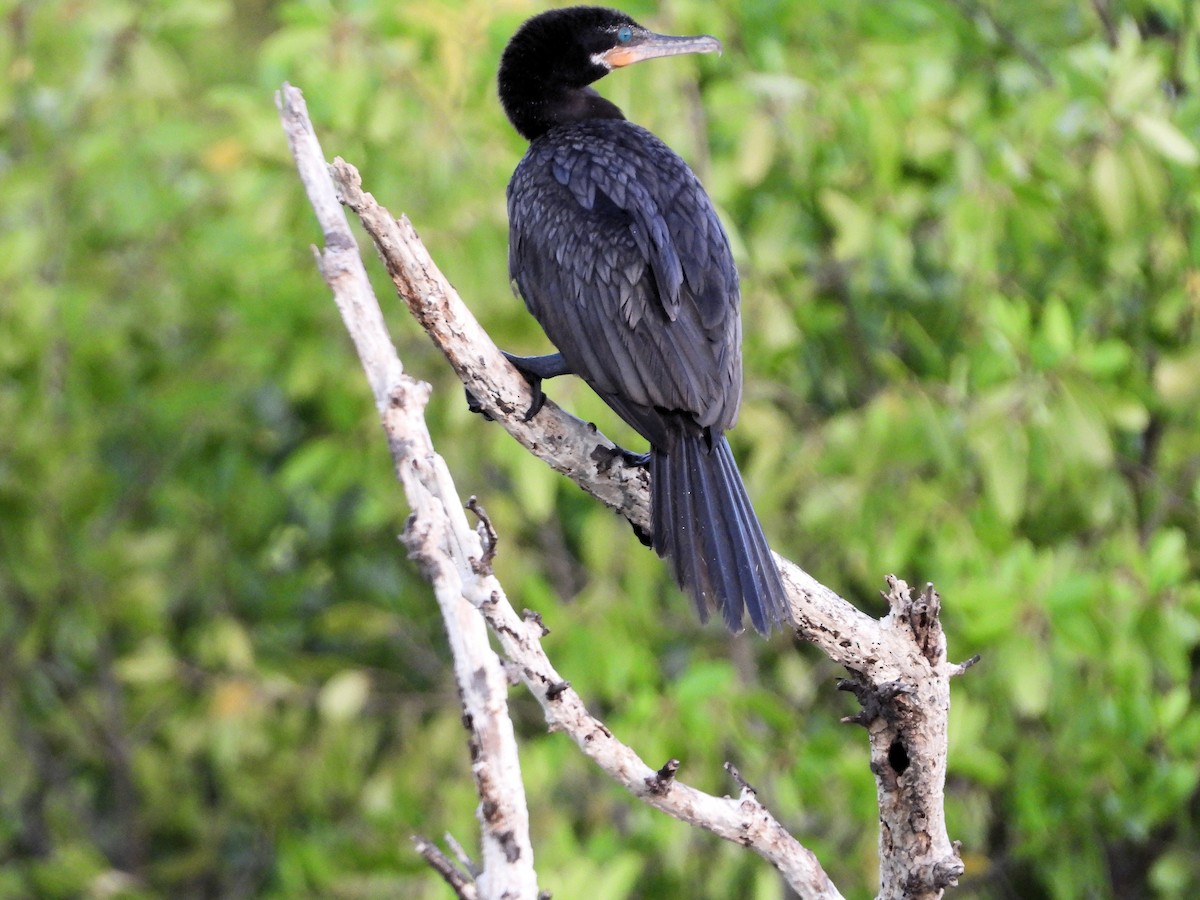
(968, 238)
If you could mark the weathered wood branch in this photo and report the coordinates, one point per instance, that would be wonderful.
(438, 535)
(906, 717)
(459, 881)
(897, 665)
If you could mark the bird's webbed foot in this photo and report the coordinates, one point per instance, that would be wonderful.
(536, 369)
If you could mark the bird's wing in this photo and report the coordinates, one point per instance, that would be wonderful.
(617, 251)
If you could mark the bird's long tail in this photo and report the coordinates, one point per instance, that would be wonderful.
(704, 524)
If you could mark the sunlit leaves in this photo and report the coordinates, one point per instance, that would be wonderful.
(1166, 139)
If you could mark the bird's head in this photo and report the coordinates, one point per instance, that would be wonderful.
(565, 50)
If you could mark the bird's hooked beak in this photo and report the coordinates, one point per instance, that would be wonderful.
(648, 45)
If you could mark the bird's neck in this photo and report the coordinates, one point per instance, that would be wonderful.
(534, 112)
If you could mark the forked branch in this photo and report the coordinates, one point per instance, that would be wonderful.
(897, 665)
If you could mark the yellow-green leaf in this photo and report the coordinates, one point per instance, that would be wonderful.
(1169, 141)
(1112, 190)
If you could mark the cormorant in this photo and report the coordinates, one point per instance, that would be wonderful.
(616, 250)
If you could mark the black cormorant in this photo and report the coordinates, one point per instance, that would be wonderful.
(616, 250)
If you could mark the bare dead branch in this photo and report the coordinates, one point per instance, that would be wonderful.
(747, 789)
(661, 780)
(462, 885)
(464, 858)
(897, 665)
(962, 667)
(439, 538)
(743, 820)
(880, 654)
(486, 531)
(906, 718)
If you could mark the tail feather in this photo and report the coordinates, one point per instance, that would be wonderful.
(720, 535)
(775, 602)
(678, 516)
(704, 524)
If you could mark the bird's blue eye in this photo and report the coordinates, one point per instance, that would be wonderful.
(624, 34)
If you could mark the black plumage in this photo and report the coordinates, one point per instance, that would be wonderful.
(617, 251)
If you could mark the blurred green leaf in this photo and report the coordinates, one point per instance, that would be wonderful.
(1113, 188)
(1002, 450)
(1168, 559)
(344, 695)
(1166, 139)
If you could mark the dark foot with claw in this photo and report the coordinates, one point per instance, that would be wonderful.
(535, 370)
(535, 385)
(475, 406)
(644, 536)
